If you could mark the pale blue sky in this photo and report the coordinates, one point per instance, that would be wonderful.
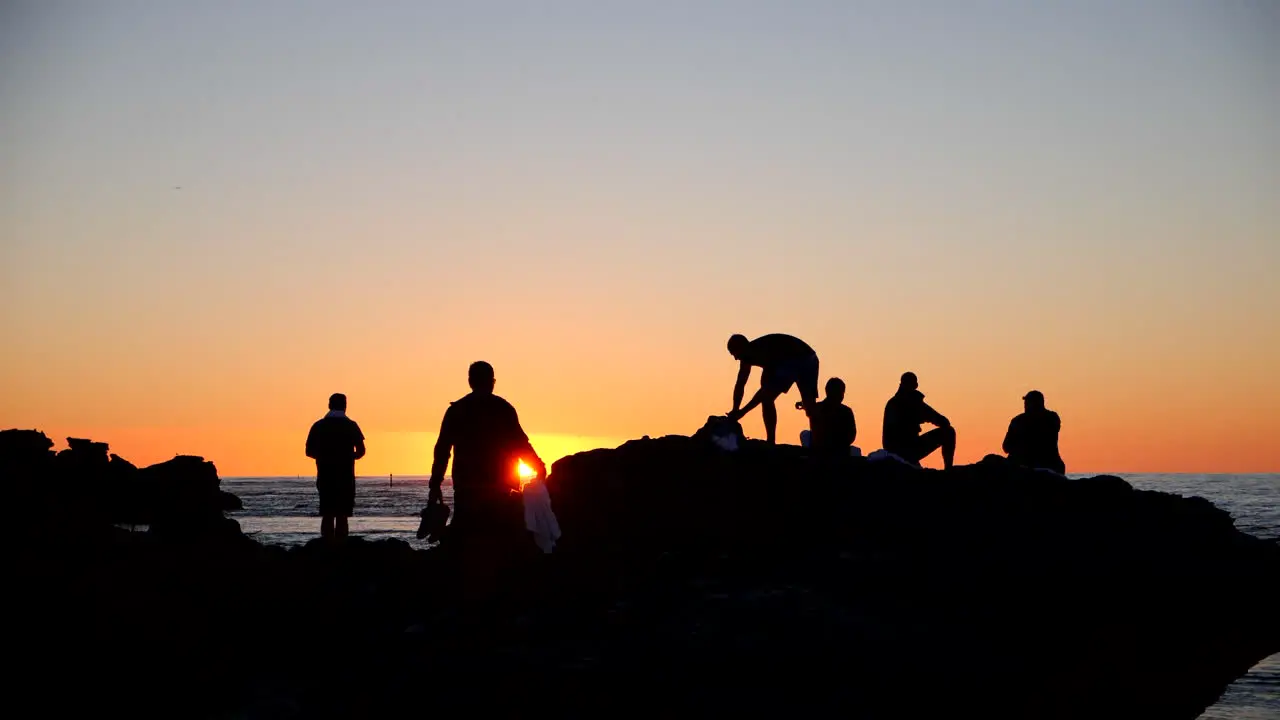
(768, 113)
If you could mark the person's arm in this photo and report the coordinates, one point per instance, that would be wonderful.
(889, 424)
(740, 386)
(359, 447)
(444, 446)
(1010, 437)
(311, 442)
(751, 405)
(932, 416)
(524, 448)
(853, 427)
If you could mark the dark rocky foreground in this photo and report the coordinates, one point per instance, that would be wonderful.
(688, 579)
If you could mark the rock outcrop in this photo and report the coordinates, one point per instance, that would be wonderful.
(688, 579)
(182, 498)
(85, 486)
(884, 590)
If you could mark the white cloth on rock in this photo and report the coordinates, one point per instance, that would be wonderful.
(882, 454)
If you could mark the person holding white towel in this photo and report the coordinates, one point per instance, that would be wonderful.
(482, 432)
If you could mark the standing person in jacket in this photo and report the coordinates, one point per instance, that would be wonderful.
(335, 443)
(903, 415)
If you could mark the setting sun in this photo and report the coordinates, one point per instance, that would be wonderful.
(526, 473)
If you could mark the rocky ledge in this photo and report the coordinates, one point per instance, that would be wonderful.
(689, 578)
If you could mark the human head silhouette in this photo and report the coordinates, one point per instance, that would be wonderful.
(835, 390)
(480, 377)
(1033, 400)
(338, 401)
(909, 381)
(738, 345)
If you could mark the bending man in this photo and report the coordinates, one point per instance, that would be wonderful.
(784, 361)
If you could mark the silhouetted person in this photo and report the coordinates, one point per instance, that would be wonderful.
(784, 361)
(1032, 439)
(833, 425)
(336, 443)
(903, 415)
(487, 442)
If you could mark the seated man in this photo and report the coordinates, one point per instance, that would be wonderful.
(784, 361)
(1032, 439)
(834, 428)
(904, 413)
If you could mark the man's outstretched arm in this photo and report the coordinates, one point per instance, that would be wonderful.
(934, 417)
(756, 399)
(739, 387)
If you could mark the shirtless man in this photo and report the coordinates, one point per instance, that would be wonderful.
(784, 361)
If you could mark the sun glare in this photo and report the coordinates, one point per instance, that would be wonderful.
(526, 473)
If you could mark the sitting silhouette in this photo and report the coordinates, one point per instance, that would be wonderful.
(483, 432)
(1032, 439)
(784, 361)
(335, 443)
(834, 428)
(904, 413)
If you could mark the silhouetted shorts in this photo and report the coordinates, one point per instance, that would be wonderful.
(337, 496)
(802, 372)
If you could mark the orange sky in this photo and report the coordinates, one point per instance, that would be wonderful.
(1081, 201)
(1118, 415)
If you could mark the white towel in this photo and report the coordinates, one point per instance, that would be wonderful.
(538, 517)
(728, 443)
(879, 455)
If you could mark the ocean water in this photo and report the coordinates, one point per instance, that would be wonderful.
(282, 510)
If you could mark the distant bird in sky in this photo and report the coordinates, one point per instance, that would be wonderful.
(177, 187)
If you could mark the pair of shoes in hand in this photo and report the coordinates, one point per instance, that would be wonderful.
(434, 518)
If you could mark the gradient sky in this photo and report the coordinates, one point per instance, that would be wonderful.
(1079, 197)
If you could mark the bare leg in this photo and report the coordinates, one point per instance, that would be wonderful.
(948, 447)
(326, 527)
(770, 412)
(943, 438)
(340, 530)
(809, 403)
